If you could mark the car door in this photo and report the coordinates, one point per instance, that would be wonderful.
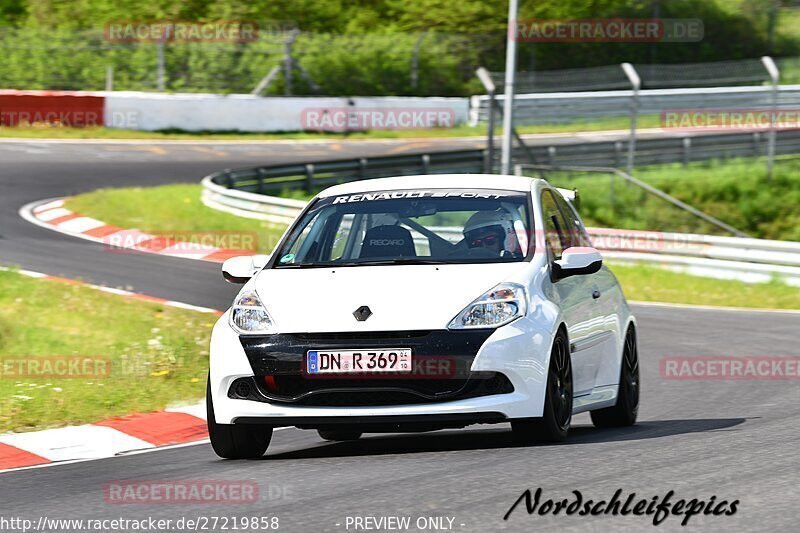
(603, 322)
(573, 296)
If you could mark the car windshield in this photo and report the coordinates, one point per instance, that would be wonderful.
(410, 227)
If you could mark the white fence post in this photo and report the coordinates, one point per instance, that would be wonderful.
(511, 68)
(490, 87)
(109, 78)
(774, 75)
(636, 84)
(160, 68)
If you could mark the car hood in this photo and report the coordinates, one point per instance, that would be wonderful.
(400, 297)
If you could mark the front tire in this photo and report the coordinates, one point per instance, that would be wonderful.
(236, 441)
(338, 435)
(556, 419)
(626, 410)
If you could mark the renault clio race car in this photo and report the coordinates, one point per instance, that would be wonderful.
(419, 303)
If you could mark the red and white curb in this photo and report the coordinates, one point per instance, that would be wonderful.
(102, 439)
(110, 437)
(52, 214)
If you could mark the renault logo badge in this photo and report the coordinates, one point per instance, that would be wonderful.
(362, 313)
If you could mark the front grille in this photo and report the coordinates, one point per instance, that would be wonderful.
(360, 335)
(352, 393)
(284, 354)
(296, 386)
(282, 359)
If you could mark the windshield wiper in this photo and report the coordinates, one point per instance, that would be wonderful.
(308, 265)
(397, 261)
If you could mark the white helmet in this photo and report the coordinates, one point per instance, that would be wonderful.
(488, 219)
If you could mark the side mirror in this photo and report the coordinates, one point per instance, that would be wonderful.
(578, 260)
(241, 268)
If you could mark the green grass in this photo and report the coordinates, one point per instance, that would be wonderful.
(45, 132)
(735, 191)
(173, 210)
(653, 284)
(158, 354)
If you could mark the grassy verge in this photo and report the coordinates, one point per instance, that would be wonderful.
(652, 284)
(735, 191)
(175, 210)
(43, 132)
(157, 355)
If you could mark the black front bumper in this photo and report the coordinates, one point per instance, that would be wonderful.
(278, 363)
(380, 424)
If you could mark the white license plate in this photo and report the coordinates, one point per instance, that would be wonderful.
(384, 360)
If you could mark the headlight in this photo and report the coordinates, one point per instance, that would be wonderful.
(248, 315)
(494, 308)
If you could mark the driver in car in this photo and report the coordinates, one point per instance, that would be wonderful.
(492, 231)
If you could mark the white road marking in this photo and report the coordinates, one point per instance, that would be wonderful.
(713, 308)
(51, 214)
(191, 307)
(49, 205)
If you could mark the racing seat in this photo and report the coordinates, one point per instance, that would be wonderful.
(387, 242)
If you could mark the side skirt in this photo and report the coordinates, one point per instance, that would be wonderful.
(599, 398)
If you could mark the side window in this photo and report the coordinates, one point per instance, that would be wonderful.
(555, 233)
(306, 242)
(576, 232)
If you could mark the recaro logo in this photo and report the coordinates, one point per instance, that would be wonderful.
(387, 242)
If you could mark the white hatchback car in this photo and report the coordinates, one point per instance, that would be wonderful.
(418, 303)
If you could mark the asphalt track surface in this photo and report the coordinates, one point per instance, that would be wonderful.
(736, 440)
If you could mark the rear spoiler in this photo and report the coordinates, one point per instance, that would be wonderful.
(572, 196)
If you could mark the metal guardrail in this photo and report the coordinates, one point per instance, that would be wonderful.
(311, 176)
(561, 107)
(240, 191)
(243, 192)
(685, 149)
(668, 149)
(745, 259)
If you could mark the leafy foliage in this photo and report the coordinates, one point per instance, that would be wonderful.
(351, 47)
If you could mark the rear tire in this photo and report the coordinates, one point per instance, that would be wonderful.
(236, 441)
(626, 410)
(338, 435)
(554, 424)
